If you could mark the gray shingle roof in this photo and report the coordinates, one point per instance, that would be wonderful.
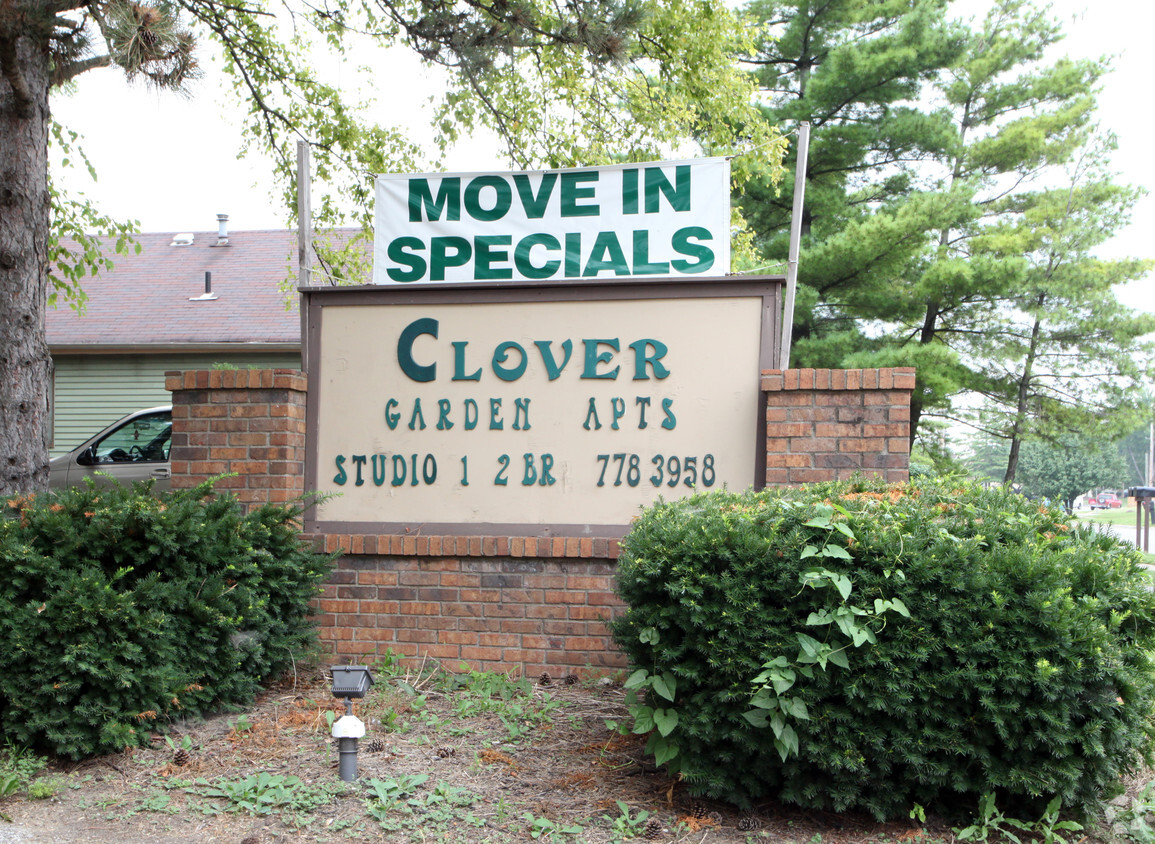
(145, 298)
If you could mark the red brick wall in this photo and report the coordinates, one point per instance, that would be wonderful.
(828, 424)
(529, 603)
(250, 422)
(533, 614)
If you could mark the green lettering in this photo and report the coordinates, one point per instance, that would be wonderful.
(521, 414)
(341, 475)
(654, 360)
(425, 325)
(617, 411)
(683, 246)
(443, 421)
(380, 464)
(501, 355)
(606, 254)
(398, 477)
(630, 191)
(574, 188)
(521, 256)
(391, 416)
(552, 369)
(573, 254)
(535, 206)
(486, 256)
(677, 194)
(594, 357)
(592, 413)
(643, 402)
(546, 464)
(359, 462)
(459, 363)
(502, 194)
(642, 263)
(495, 421)
(417, 417)
(448, 199)
(445, 252)
(669, 422)
(470, 414)
(415, 263)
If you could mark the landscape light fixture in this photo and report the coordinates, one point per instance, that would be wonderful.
(349, 681)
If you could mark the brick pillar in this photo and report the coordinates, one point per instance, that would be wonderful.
(828, 424)
(247, 422)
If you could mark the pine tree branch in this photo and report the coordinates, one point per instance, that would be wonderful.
(10, 68)
(73, 69)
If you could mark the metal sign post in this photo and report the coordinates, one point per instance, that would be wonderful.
(795, 238)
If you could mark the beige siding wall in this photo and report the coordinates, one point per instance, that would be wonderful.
(92, 391)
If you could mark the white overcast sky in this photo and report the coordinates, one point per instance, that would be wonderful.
(171, 163)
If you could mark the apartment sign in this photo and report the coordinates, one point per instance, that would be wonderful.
(662, 219)
(532, 409)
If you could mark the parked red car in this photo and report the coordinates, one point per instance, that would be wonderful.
(1104, 501)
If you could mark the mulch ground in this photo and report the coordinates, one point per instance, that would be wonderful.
(488, 762)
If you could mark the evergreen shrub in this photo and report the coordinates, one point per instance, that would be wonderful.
(1023, 670)
(121, 609)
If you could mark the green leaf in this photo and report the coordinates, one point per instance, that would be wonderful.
(637, 679)
(664, 750)
(665, 720)
(665, 685)
(757, 717)
(764, 700)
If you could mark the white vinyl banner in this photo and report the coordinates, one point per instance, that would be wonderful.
(662, 219)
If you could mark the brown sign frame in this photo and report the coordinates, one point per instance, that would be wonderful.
(314, 301)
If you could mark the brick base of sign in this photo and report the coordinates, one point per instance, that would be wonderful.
(501, 603)
(829, 424)
(534, 615)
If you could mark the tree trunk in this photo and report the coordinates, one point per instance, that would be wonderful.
(25, 365)
(1023, 396)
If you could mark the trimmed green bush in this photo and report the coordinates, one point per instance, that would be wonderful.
(120, 609)
(1023, 670)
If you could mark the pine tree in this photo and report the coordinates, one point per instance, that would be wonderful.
(905, 259)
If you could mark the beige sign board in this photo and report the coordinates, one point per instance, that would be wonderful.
(558, 415)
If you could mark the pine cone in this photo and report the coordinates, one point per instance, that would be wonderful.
(544, 679)
(375, 745)
(699, 811)
(748, 823)
(653, 829)
(446, 752)
(571, 679)
(181, 757)
(715, 818)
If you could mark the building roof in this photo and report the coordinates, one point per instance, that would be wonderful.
(155, 298)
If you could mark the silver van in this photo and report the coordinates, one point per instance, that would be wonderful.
(134, 448)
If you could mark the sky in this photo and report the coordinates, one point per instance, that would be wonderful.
(172, 163)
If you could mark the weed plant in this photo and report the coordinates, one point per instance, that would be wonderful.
(863, 646)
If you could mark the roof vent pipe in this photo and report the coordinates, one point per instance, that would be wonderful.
(208, 295)
(222, 229)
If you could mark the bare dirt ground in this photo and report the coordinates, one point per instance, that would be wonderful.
(463, 758)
